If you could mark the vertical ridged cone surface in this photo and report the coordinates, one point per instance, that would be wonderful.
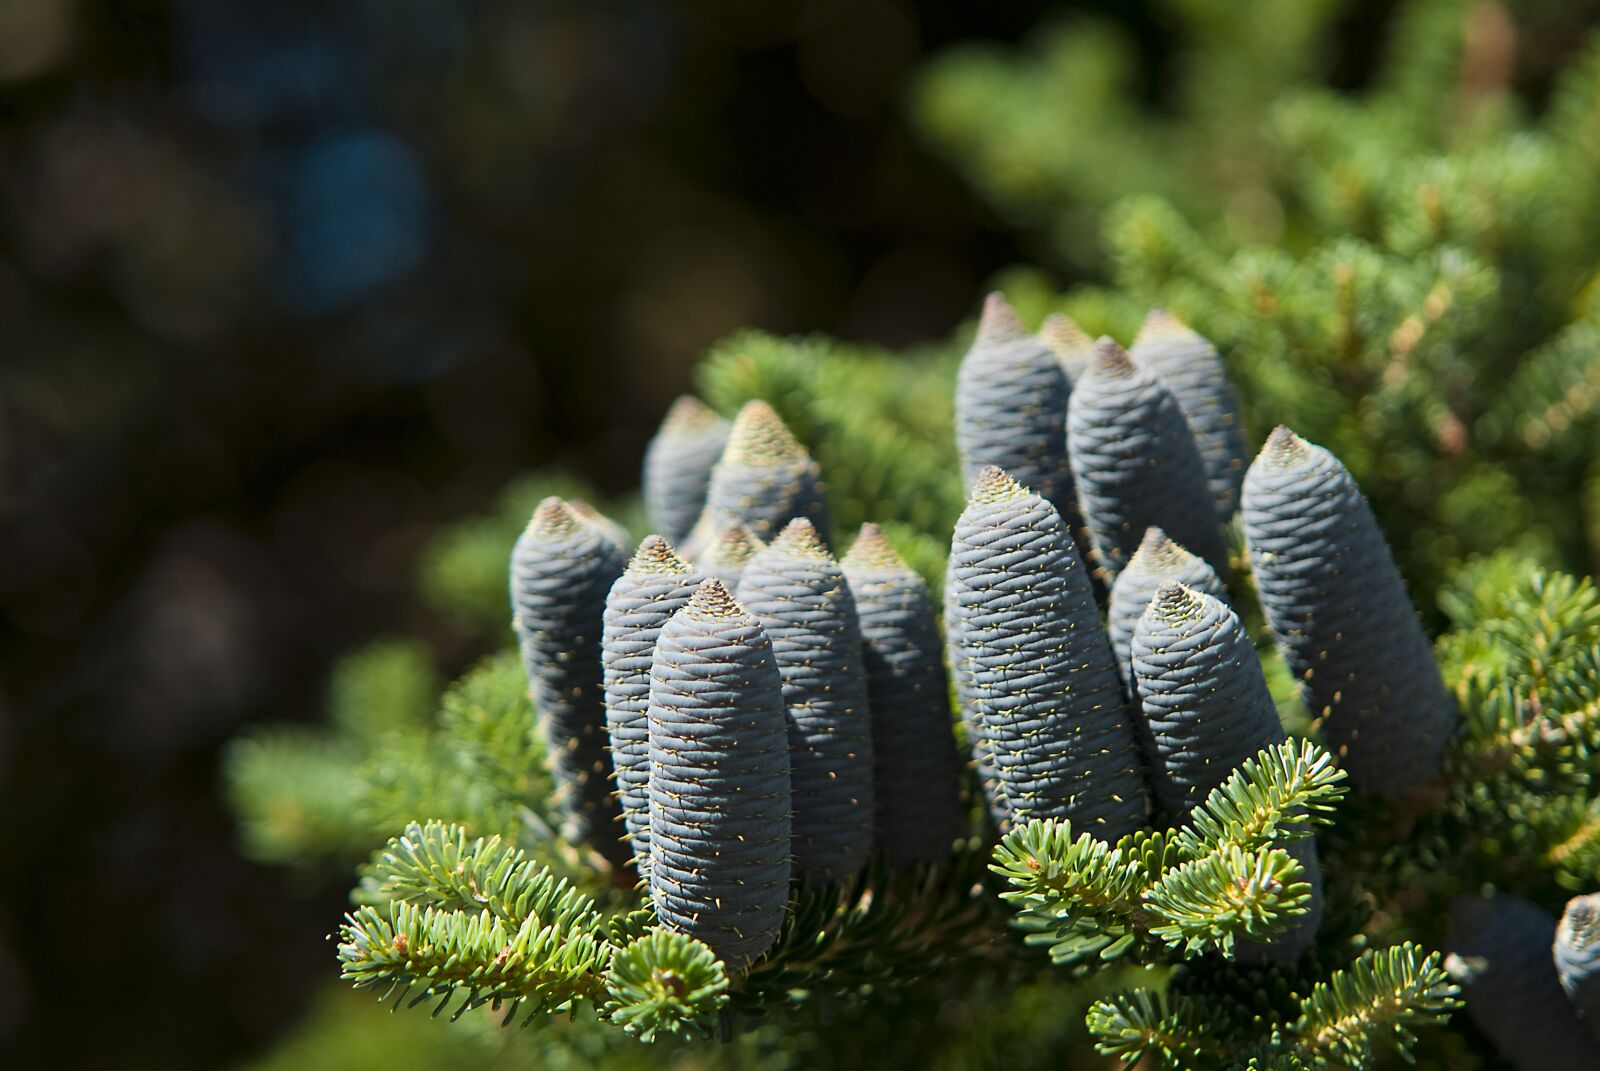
(1577, 955)
(1045, 699)
(1339, 609)
(959, 654)
(1136, 464)
(1011, 409)
(1070, 343)
(728, 553)
(915, 774)
(1205, 708)
(1499, 952)
(799, 594)
(655, 586)
(719, 779)
(561, 570)
(1157, 561)
(1191, 368)
(677, 466)
(764, 479)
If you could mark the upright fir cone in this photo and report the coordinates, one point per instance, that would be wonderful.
(719, 779)
(1070, 343)
(1206, 709)
(1499, 952)
(728, 552)
(1190, 367)
(959, 653)
(1046, 700)
(915, 772)
(561, 569)
(677, 465)
(1011, 409)
(1577, 954)
(765, 479)
(1137, 465)
(1340, 612)
(655, 586)
(607, 527)
(801, 597)
(1157, 561)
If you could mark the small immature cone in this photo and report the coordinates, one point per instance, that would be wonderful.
(719, 779)
(1070, 343)
(801, 597)
(1341, 615)
(1157, 561)
(1206, 709)
(561, 569)
(677, 466)
(1192, 370)
(1045, 697)
(765, 479)
(655, 586)
(1577, 953)
(1499, 952)
(915, 773)
(728, 553)
(1011, 409)
(1137, 465)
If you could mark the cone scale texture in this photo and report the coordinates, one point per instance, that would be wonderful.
(1500, 954)
(1191, 369)
(655, 586)
(677, 466)
(1157, 561)
(1577, 952)
(915, 773)
(719, 779)
(1045, 699)
(764, 480)
(1205, 709)
(1011, 409)
(799, 594)
(1136, 464)
(561, 570)
(1335, 601)
(728, 553)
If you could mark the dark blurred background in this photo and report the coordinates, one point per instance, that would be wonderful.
(284, 286)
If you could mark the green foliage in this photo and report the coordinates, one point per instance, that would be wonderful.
(665, 982)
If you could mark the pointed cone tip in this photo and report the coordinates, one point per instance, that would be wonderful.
(712, 599)
(1177, 602)
(656, 556)
(1580, 921)
(993, 484)
(800, 537)
(999, 322)
(1110, 359)
(1160, 323)
(734, 545)
(1157, 553)
(1284, 447)
(872, 550)
(1063, 335)
(688, 415)
(555, 518)
(760, 437)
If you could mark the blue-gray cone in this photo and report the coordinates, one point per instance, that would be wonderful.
(677, 466)
(655, 586)
(801, 597)
(1335, 601)
(1206, 709)
(728, 552)
(1577, 953)
(1157, 561)
(1190, 367)
(1137, 465)
(561, 569)
(764, 479)
(719, 779)
(1499, 952)
(915, 772)
(1046, 701)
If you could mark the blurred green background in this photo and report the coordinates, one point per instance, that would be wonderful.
(286, 286)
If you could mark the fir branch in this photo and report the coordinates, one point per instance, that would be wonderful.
(1173, 1031)
(1225, 895)
(665, 983)
(1273, 798)
(1380, 1000)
